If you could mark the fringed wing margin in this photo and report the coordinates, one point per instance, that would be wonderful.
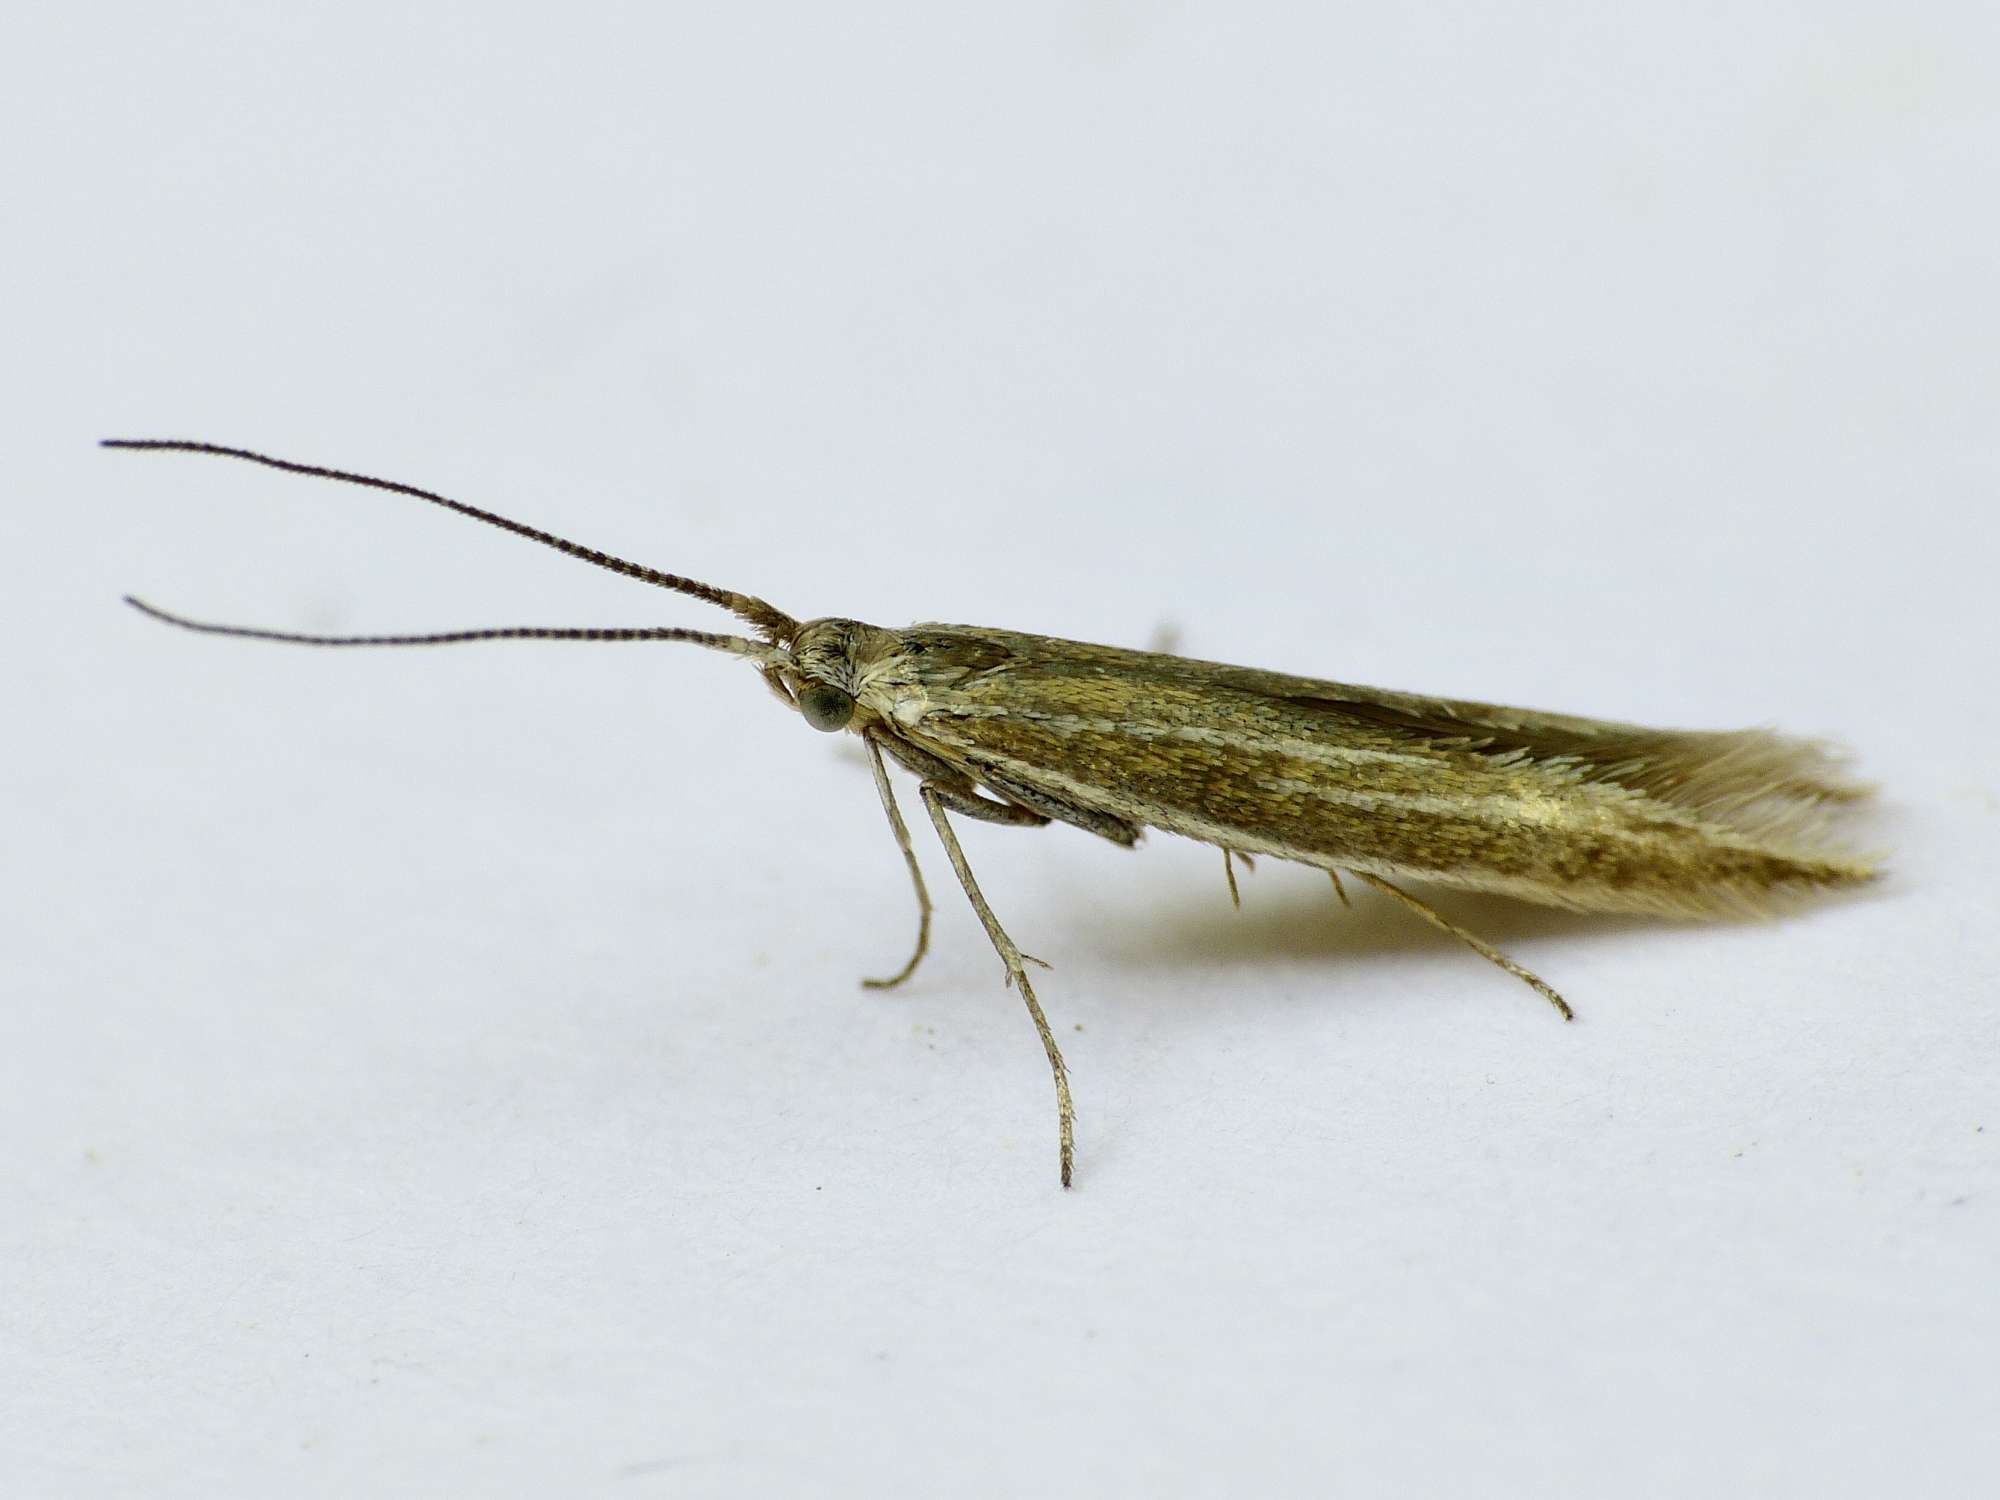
(1794, 799)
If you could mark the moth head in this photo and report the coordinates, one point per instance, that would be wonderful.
(829, 669)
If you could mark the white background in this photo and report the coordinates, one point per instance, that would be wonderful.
(443, 1072)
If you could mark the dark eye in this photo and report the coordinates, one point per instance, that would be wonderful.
(825, 706)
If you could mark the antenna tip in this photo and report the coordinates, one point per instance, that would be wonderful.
(152, 612)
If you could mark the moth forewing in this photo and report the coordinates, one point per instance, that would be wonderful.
(1024, 729)
(1580, 813)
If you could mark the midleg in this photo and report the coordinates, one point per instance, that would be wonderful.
(936, 800)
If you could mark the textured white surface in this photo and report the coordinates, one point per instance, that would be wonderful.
(444, 1073)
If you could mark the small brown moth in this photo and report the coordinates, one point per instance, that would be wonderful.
(1028, 730)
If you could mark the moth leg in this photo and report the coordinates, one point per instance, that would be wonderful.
(1104, 825)
(1478, 945)
(935, 802)
(1229, 858)
(902, 832)
(985, 809)
(919, 763)
(1340, 890)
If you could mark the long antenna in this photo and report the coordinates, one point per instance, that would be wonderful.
(735, 645)
(774, 622)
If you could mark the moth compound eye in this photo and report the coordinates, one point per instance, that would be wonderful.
(825, 706)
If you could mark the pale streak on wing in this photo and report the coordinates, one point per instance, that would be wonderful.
(1603, 817)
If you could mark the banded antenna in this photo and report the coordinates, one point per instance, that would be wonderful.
(777, 628)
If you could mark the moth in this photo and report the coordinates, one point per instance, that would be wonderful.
(1027, 730)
